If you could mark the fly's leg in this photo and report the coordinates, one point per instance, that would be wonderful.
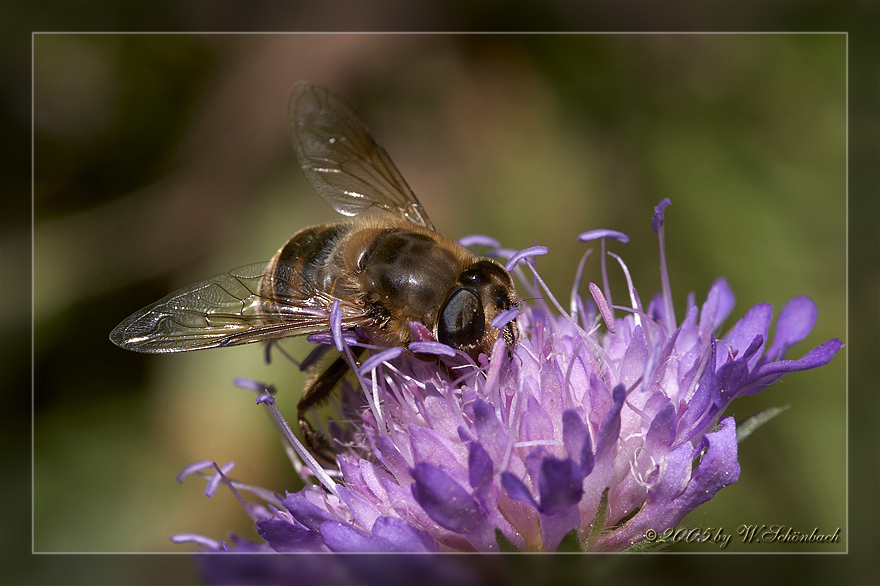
(319, 389)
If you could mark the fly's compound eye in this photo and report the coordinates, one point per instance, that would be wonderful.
(461, 322)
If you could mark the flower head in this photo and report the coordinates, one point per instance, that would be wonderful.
(601, 423)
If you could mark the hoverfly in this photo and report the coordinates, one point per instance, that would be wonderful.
(385, 265)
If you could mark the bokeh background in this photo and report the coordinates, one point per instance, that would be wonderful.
(162, 159)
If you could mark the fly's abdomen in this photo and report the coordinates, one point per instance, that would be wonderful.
(304, 266)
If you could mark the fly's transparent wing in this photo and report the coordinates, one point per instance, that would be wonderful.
(342, 160)
(235, 308)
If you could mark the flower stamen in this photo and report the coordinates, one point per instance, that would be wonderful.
(575, 298)
(634, 300)
(657, 225)
(602, 305)
(301, 450)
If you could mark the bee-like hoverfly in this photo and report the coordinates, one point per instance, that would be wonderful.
(384, 264)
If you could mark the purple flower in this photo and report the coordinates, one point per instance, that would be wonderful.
(602, 422)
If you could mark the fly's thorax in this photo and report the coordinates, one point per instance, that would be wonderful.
(406, 273)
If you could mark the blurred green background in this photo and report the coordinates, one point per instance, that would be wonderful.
(160, 160)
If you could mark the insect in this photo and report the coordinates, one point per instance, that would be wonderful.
(384, 264)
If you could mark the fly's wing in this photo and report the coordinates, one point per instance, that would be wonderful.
(342, 160)
(228, 310)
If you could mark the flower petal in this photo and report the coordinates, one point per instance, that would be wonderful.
(343, 537)
(756, 322)
(559, 484)
(445, 501)
(284, 536)
(364, 512)
(517, 490)
(795, 322)
(635, 359)
(661, 434)
(718, 467)
(489, 430)
(479, 466)
(403, 536)
(306, 512)
(718, 305)
(770, 373)
(680, 490)
(536, 424)
(574, 432)
(390, 457)
(609, 433)
(429, 446)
